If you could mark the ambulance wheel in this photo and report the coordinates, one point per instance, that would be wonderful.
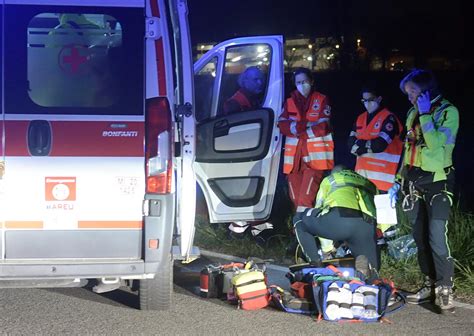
(156, 293)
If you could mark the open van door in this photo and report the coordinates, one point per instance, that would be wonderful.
(238, 154)
(2, 156)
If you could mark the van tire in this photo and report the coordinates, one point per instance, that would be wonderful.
(156, 293)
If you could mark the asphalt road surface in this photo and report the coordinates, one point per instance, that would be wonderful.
(80, 311)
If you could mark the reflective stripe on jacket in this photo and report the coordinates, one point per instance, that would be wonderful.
(319, 152)
(380, 168)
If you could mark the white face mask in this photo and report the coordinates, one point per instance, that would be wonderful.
(371, 106)
(304, 89)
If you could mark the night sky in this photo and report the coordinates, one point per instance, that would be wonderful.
(402, 24)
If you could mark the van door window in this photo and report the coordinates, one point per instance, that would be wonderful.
(67, 61)
(237, 61)
(71, 59)
(204, 88)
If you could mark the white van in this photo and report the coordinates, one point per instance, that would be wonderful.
(103, 141)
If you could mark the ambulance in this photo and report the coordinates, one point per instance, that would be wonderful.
(107, 128)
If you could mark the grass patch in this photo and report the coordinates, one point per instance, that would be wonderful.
(215, 238)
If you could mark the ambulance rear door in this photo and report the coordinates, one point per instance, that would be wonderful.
(238, 154)
(2, 157)
(73, 130)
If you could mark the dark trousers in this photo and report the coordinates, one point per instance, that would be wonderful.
(428, 215)
(357, 232)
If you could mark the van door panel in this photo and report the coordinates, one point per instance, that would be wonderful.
(238, 137)
(72, 244)
(238, 154)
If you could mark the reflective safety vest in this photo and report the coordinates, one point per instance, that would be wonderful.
(380, 168)
(320, 150)
(347, 189)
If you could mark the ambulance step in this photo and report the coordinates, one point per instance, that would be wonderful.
(195, 253)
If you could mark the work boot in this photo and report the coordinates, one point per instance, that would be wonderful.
(425, 294)
(364, 270)
(444, 299)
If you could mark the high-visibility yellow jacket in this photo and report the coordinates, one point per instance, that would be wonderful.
(431, 138)
(347, 189)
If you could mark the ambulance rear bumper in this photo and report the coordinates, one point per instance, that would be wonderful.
(73, 269)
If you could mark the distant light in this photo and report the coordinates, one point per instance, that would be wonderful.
(202, 47)
(393, 64)
(265, 59)
(337, 46)
(310, 58)
(358, 40)
(293, 49)
(331, 55)
(310, 46)
(236, 59)
(401, 61)
(260, 49)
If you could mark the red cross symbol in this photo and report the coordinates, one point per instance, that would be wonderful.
(74, 59)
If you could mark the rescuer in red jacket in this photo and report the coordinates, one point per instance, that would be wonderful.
(309, 146)
(375, 141)
(248, 97)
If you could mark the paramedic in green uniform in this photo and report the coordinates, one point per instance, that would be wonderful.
(344, 211)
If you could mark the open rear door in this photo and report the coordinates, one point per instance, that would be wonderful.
(2, 146)
(185, 122)
(238, 154)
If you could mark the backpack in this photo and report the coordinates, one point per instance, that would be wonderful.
(215, 280)
(299, 299)
(341, 298)
(250, 289)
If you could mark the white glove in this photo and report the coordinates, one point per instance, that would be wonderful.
(354, 149)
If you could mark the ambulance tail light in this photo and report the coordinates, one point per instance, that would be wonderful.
(158, 149)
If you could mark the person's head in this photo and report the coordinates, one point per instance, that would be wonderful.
(252, 79)
(303, 79)
(370, 98)
(417, 82)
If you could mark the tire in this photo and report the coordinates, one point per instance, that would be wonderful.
(156, 293)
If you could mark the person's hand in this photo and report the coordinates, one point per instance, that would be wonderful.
(293, 128)
(354, 148)
(424, 103)
(393, 194)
